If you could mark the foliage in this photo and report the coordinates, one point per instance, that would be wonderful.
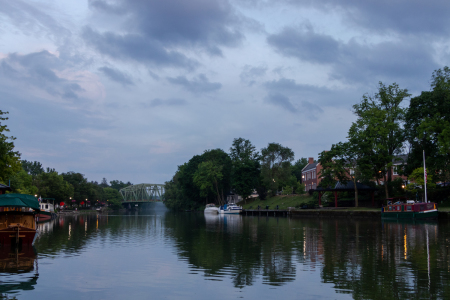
(275, 166)
(207, 177)
(379, 129)
(427, 123)
(299, 188)
(82, 188)
(113, 197)
(22, 183)
(32, 168)
(346, 162)
(52, 185)
(417, 185)
(297, 168)
(118, 185)
(287, 190)
(9, 159)
(245, 167)
(183, 193)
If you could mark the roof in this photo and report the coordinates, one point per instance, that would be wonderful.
(400, 159)
(5, 187)
(19, 200)
(309, 167)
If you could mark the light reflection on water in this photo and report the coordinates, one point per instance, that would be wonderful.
(191, 255)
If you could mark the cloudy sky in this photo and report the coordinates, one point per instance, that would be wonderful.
(130, 89)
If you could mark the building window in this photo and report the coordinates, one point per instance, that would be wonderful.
(395, 170)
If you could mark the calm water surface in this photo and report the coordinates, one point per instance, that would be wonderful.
(163, 255)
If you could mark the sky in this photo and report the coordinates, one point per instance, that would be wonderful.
(131, 89)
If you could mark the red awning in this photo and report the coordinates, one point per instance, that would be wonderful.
(61, 204)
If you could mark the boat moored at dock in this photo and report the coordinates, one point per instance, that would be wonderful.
(410, 210)
(18, 219)
(211, 209)
(230, 208)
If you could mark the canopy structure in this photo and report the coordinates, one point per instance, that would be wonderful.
(4, 188)
(19, 200)
(348, 186)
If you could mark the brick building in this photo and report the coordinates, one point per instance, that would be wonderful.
(309, 174)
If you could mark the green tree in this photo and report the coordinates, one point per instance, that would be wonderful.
(380, 125)
(52, 185)
(417, 186)
(276, 166)
(297, 168)
(113, 197)
(22, 183)
(245, 167)
(9, 159)
(427, 123)
(345, 162)
(82, 189)
(183, 193)
(118, 185)
(32, 168)
(207, 178)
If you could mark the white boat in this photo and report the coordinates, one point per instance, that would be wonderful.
(230, 208)
(211, 209)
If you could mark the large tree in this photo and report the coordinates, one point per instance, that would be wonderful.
(345, 162)
(53, 185)
(428, 127)
(9, 159)
(297, 168)
(245, 167)
(276, 166)
(379, 126)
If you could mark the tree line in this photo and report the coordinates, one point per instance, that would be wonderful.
(385, 128)
(211, 176)
(30, 177)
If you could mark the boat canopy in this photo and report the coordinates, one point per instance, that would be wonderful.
(19, 200)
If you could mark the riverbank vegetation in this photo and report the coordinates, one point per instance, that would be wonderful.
(74, 189)
(384, 129)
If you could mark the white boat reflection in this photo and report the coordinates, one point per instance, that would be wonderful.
(224, 222)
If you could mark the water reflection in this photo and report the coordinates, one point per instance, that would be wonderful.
(18, 269)
(360, 259)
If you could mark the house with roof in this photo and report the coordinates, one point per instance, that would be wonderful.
(311, 179)
(309, 174)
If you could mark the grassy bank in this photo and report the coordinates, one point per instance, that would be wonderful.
(297, 201)
(283, 202)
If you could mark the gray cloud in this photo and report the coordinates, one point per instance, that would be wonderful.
(31, 19)
(356, 62)
(249, 74)
(136, 47)
(168, 102)
(282, 101)
(38, 69)
(199, 84)
(305, 45)
(204, 24)
(384, 16)
(117, 76)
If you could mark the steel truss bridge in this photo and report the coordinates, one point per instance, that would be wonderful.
(143, 192)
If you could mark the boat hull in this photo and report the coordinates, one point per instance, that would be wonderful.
(411, 215)
(45, 216)
(229, 212)
(26, 236)
(415, 211)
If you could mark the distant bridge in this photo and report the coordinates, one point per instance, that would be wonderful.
(143, 192)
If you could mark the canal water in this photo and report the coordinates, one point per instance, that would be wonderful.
(159, 254)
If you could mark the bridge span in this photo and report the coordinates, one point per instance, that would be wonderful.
(142, 193)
